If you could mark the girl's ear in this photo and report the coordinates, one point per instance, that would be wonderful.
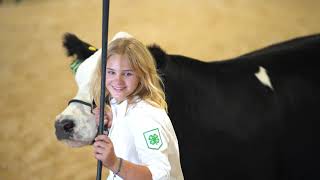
(159, 55)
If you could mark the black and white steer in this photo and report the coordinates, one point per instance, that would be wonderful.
(255, 116)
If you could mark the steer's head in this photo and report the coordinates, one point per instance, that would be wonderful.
(76, 125)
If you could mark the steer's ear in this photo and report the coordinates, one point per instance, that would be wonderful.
(159, 55)
(76, 47)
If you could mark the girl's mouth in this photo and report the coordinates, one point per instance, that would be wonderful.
(118, 88)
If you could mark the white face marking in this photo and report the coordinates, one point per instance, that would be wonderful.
(84, 130)
(263, 77)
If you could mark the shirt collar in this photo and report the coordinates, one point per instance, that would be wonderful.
(113, 101)
(121, 109)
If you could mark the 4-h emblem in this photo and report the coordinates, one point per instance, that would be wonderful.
(153, 139)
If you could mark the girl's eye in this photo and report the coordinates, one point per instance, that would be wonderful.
(110, 72)
(128, 74)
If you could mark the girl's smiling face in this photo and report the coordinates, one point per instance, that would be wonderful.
(121, 80)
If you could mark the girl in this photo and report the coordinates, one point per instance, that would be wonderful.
(141, 143)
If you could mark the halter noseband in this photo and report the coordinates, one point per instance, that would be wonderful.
(91, 105)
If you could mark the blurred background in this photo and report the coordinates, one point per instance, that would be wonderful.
(36, 82)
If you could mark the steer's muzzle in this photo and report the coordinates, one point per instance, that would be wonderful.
(64, 129)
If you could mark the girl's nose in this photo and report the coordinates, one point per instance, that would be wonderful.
(119, 77)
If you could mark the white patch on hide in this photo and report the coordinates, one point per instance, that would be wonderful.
(263, 77)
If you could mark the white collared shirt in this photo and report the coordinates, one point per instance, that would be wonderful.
(144, 135)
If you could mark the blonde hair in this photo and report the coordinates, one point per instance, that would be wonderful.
(142, 62)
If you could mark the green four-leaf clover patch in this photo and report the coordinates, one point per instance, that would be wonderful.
(153, 139)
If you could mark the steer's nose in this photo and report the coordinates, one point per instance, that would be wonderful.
(64, 128)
